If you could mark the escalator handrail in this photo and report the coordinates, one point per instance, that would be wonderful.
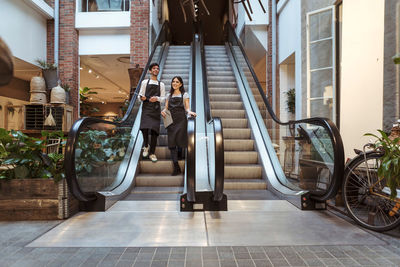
(191, 131)
(216, 121)
(333, 131)
(73, 135)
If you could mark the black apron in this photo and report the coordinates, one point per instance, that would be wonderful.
(151, 111)
(177, 131)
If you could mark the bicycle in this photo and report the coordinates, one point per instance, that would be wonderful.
(366, 196)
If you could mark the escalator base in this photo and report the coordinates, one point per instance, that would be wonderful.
(204, 202)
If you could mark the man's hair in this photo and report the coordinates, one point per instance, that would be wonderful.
(153, 65)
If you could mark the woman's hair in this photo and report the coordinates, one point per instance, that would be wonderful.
(182, 89)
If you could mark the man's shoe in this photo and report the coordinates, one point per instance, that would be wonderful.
(153, 158)
(145, 153)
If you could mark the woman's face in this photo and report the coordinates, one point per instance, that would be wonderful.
(176, 84)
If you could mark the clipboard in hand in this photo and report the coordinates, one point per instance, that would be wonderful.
(167, 119)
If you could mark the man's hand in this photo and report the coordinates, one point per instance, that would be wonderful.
(143, 98)
(153, 99)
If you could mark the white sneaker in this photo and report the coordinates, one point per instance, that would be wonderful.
(145, 151)
(153, 158)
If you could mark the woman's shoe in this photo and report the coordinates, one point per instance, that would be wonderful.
(177, 169)
(153, 158)
(145, 153)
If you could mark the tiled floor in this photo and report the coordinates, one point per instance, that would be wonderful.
(15, 236)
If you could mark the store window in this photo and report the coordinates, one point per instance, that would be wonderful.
(321, 58)
(104, 5)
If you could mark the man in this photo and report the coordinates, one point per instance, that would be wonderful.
(152, 93)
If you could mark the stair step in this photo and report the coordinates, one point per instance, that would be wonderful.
(159, 167)
(236, 133)
(234, 123)
(224, 97)
(225, 113)
(219, 68)
(222, 84)
(238, 145)
(215, 78)
(226, 105)
(157, 190)
(245, 184)
(242, 171)
(229, 90)
(241, 157)
(153, 180)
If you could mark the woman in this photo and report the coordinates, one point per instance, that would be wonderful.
(177, 102)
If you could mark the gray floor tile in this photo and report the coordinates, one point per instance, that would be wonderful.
(242, 256)
(258, 255)
(228, 263)
(176, 263)
(262, 263)
(161, 256)
(144, 256)
(124, 263)
(193, 256)
(163, 263)
(245, 263)
(226, 255)
(177, 256)
(210, 263)
(210, 255)
(314, 262)
(193, 263)
(142, 263)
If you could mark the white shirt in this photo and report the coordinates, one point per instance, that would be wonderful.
(143, 85)
(185, 96)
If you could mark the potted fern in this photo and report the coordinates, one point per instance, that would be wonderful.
(49, 73)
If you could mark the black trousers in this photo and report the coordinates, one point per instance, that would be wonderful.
(153, 141)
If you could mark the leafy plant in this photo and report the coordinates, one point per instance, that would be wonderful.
(291, 100)
(45, 65)
(390, 162)
(396, 59)
(85, 107)
(22, 156)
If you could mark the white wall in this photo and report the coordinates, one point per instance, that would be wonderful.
(289, 42)
(96, 20)
(23, 29)
(258, 16)
(104, 42)
(362, 71)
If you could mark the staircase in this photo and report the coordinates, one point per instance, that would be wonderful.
(242, 170)
(154, 180)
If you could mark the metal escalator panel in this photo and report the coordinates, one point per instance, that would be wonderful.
(305, 155)
(100, 154)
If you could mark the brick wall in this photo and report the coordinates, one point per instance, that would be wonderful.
(68, 51)
(50, 41)
(139, 32)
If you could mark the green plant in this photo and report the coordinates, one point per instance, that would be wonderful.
(45, 65)
(85, 107)
(291, 100)
(390, 161)
(22, 156)
(396, 59)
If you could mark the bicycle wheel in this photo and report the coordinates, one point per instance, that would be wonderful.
(367, 201)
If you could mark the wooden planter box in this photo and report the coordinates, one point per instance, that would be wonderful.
(35, 199)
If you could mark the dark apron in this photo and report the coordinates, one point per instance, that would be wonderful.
(151, 111)
(177, 131)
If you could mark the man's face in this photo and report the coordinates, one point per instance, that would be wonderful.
(155, 70)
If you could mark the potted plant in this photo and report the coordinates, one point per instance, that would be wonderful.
(49, 73)
(86, 108)
(32, 184)
(291, 101)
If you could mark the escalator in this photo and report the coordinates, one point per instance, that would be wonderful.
(103, 161)
(301, 161)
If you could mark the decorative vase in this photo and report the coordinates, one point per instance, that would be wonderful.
(57, 95)
(50, 77)
(38, 90)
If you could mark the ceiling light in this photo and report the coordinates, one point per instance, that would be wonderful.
(80, 68)
(91, 98)
(119, 91)
(97, 76)
(90, 71)
(102, 102)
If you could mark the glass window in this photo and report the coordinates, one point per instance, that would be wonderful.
(321, 97)
(104, 5)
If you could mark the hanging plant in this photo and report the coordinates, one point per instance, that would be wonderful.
(291, 100)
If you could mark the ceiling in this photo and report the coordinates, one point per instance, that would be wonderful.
(24, 70)
(107, 75)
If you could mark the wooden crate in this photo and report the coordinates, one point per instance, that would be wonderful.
(35, 199)
(32, 117)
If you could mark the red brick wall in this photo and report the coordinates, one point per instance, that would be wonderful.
(68, 51)
(50, 41)
(139, 32)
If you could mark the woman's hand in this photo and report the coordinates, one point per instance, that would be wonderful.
(163, 113)
(192, 114)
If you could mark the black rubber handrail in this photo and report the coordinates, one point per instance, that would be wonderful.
(80, 124)
(333, 131)
(218, 134)
(191, 131)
